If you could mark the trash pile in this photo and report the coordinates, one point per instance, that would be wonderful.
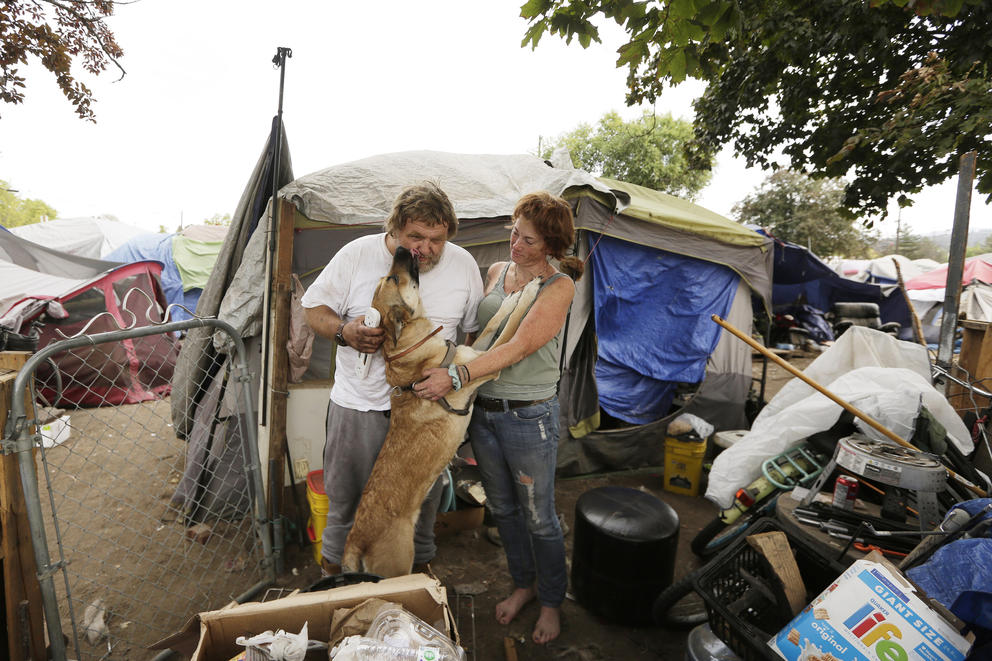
(866, 477)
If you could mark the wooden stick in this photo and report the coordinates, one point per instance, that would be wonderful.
(875, 424)
(509, 649)
(917, 328)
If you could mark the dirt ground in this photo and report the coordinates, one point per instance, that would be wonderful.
(473, 570)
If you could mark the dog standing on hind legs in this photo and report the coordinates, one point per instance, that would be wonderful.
(423, 435)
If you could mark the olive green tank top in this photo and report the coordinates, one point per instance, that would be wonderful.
(534, 377)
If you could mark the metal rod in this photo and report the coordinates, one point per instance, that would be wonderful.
(872, 422)
(955, 258)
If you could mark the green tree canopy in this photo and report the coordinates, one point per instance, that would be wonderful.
(647, 151)
(887, 92)
(15, 212)
(807, 212)
(60, 33)
(911, 245)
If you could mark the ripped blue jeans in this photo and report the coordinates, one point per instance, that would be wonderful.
(517, 451)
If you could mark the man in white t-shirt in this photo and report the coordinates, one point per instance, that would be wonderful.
(422, 221)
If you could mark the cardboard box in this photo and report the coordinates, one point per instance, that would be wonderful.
(871, 612)
(420, 594)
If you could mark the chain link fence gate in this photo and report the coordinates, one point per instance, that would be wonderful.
(134, 529)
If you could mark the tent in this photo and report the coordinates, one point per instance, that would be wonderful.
(186, 257)
(91, 236)
(927, 291)
(60, 295)
(639, 339)
(801, 278)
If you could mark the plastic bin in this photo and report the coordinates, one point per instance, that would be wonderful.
(725, 579)
(318, 510)
(684, 463)
(623, 553)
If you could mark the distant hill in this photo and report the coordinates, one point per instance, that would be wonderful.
(943, 239)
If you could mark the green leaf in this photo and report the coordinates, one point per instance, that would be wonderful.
(677, 33)
(711, 13)
(681, 9)
(720, 29)
(676, 67)
(534, 34)
(631, 53)
(534, 8)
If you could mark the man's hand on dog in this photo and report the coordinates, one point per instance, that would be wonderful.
(361, 337)
(435, 384)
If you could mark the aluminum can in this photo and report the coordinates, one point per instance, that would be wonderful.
(845, 492)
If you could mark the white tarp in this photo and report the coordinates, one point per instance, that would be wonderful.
(869, 270)
(91, 237)
(886, 378)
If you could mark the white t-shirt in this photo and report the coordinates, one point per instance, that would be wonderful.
(451, 292)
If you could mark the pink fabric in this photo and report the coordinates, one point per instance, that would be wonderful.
(975, 268)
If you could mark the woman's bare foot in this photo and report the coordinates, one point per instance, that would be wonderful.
(548, 625)
(507, 609)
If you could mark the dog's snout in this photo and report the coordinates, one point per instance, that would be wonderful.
(406, 259)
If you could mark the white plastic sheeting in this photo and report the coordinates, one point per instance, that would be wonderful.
(888, 379)
(91, 237)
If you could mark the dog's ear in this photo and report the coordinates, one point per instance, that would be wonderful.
(397, 317)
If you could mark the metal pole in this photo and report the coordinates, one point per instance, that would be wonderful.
(955, 259)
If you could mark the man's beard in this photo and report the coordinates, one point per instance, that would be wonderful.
(426, 265)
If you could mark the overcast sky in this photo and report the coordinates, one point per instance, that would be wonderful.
(177, 137)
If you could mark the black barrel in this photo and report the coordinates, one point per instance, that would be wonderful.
(623, 552)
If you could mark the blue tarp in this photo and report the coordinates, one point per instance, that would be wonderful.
(158, 248)
(800, 277)
(653, 322)
(959, 576)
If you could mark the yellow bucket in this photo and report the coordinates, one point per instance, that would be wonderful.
(684, 465)
(318, 510)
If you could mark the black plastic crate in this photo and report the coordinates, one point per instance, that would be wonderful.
(747, 628)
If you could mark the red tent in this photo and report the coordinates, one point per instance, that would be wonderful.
(61, 294)
(978, 268)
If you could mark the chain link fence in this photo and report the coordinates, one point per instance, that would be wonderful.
(135, 529)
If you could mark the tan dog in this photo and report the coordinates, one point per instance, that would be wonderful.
(423, 435)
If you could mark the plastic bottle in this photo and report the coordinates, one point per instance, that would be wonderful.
(361, 648)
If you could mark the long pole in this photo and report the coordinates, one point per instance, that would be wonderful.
(279, 60)
(275, 462)
(955, 259)
(872, 422)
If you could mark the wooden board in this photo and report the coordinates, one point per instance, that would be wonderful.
(775, 547)
(21, 591)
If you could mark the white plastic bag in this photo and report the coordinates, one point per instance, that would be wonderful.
(281, 646)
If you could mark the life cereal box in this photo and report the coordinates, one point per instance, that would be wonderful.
(871, 613)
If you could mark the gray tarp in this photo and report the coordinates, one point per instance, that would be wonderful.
(196, 359)
(479, 186)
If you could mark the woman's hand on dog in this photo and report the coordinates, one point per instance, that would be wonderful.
(435, 384)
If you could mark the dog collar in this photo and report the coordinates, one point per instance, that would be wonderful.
(415, 346)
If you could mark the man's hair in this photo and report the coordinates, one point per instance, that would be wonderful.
(426, 203)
